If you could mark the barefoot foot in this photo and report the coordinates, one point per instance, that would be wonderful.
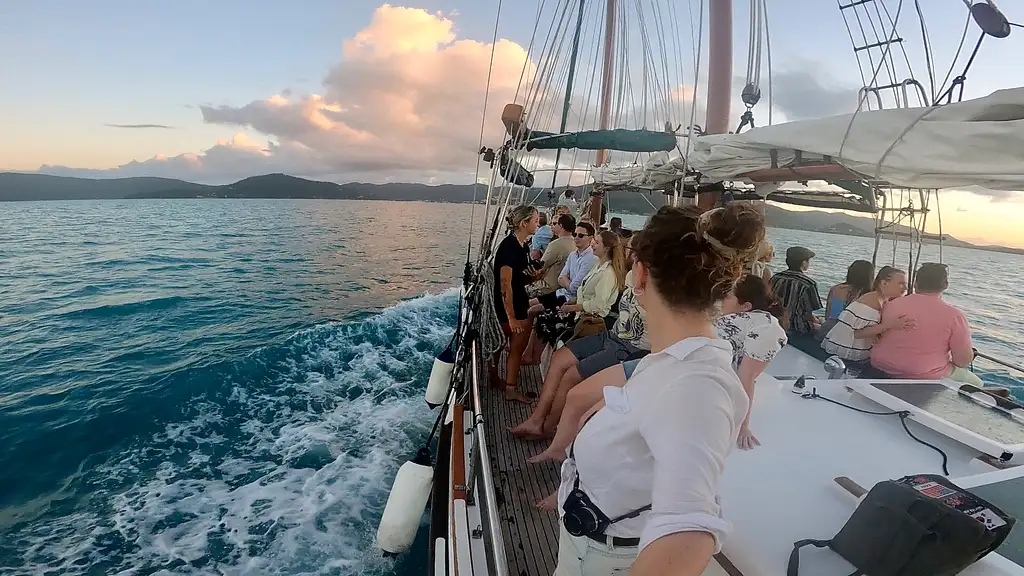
(528, 429)
(516, 396)
(549, 503)
(546, 456)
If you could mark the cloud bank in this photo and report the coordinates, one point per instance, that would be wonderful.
(403, 102)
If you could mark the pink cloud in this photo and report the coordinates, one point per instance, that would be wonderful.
(405, 97)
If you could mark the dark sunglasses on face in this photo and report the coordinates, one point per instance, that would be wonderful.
(578, 235)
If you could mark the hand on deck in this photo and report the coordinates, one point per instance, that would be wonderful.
(746, 439)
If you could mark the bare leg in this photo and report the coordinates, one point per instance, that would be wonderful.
(549, 503)
(517, 343)
(561, 361)
(577, 402)
(531, 356)
(569, 381)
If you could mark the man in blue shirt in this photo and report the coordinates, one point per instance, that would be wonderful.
(541, 238)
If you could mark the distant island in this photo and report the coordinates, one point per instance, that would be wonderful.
(35, 187)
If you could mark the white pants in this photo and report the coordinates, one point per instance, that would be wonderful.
(585, 557)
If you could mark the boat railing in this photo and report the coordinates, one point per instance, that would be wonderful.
(998, 361)
(484, 492)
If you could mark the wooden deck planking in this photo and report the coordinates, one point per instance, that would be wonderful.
(531, 535)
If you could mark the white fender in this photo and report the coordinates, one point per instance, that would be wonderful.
(405, 507)
(440, 378)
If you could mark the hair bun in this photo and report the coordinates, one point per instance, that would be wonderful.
(736, 227)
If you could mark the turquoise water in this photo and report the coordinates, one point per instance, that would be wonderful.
(229, 386)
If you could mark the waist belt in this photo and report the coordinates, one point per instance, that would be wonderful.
(615, 541)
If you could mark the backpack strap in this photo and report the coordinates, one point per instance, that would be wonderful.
(794, 557)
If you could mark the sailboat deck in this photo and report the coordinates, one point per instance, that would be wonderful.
(531, 535)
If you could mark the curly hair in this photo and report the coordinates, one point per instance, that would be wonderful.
(696, 258)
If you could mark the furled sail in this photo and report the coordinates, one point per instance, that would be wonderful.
(512, 171)
(659, 170)
(618, 139)
(972, 143)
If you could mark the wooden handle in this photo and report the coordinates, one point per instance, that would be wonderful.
(850, 486)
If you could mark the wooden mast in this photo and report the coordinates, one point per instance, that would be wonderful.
(719, 79)
(607, 77)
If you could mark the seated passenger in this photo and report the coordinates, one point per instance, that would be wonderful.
(577, 266)
(858, 283)
(584, 357)
(750, 323)
(939, 343)
(799, 296)
(860, 324)
(759, 267)
(541, 238)
(555, 255)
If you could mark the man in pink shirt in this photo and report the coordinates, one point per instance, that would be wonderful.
(938, 345)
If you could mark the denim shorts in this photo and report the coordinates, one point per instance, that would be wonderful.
(629, 366)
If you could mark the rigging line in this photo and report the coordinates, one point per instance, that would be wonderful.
(853, 43)
(888, 59)
(864, 95)
(927, 52)
(903, 49)
(868, 52)
(768, 52)
(548, 53)
(529, 49)
(659, 22)
(696, 78)
(680, 79)
(956, 57)
(483, 124)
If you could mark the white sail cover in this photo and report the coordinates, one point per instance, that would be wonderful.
(660, 169)
(973, 143)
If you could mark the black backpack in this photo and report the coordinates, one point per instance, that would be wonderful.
(915, 526)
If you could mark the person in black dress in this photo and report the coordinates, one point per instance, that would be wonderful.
(511, 302)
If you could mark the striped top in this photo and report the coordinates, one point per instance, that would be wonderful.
(840, 339)
(799, 295)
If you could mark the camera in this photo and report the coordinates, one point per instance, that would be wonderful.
(536, 264)
(582, 517)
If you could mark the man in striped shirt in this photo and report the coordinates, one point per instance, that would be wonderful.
(799, 295)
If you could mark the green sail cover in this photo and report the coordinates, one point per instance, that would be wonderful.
(619, 139)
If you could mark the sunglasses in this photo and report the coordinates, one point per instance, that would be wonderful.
(581, 235)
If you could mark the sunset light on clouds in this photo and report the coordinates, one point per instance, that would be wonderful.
(377, 93)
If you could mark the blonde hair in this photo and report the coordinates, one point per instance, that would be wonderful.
(764, 250)
(518, 215)
(617, 255)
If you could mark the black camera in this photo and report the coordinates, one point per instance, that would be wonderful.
(582, 517)
(536, 264)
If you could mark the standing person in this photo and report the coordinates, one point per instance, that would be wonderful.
(652, 453)
(568, 200)
(511, 302)
(799, 296)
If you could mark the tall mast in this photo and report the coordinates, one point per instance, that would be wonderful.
(719, 78)
(607, 77)
(568, 87)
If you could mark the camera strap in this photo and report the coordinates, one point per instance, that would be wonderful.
(576, 482)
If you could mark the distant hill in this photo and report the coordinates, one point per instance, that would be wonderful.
(19, 187)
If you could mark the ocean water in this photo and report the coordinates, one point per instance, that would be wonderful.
(229, 386)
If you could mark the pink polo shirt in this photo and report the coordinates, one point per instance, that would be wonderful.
(923, 352)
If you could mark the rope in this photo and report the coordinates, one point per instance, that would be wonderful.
(483, 124)
(493, 335)
(768, 53)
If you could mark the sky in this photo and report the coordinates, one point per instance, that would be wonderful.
(357, 90)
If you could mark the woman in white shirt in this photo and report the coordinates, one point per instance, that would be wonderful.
(750, 323)
(647, 460)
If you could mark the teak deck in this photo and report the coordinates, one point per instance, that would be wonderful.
(531, 535)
